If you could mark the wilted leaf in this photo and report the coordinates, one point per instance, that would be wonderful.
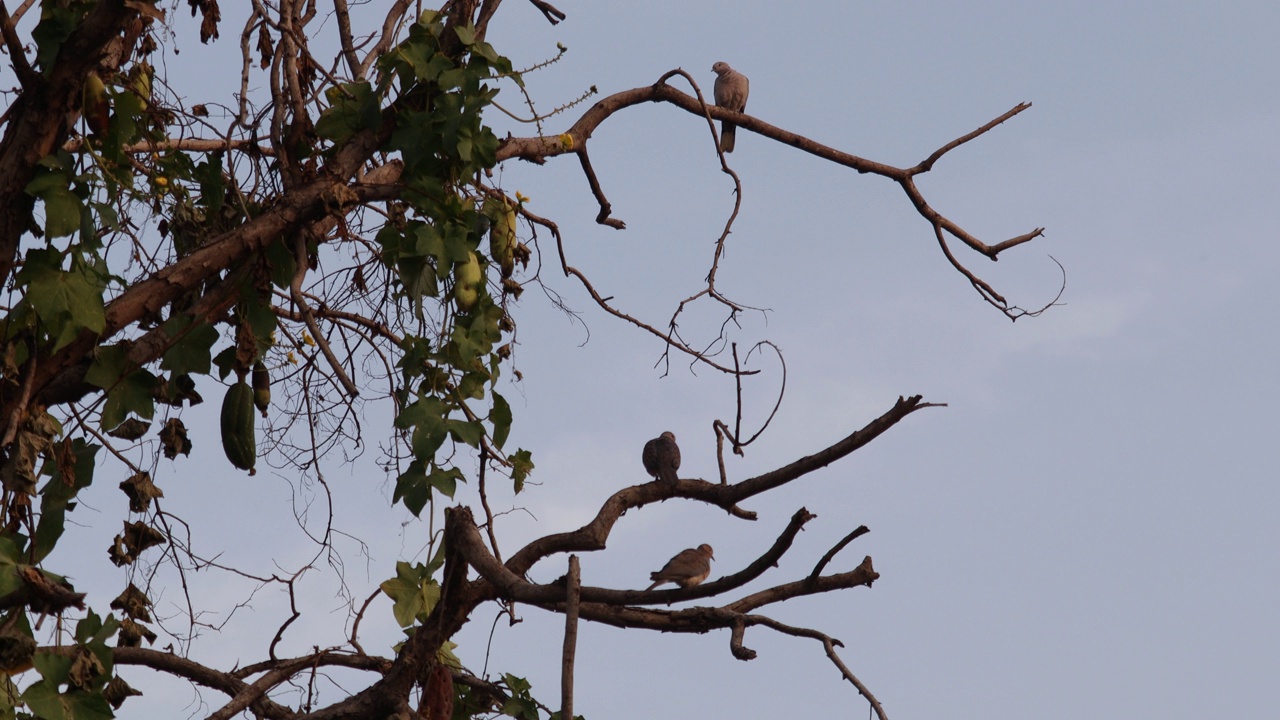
(49, 593)
(132, 633)
(17, 647)
(136, 538)
(133, 603)
(141, 491)
(85, 667)
(130, 429)
(117, 691)
(175, 390)
(173, 438)
(265, 49)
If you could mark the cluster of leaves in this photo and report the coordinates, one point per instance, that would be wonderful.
(432, 249)
(76, 682)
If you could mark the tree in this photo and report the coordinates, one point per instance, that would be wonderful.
(335, 237)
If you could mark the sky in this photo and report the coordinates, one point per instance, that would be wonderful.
(1086, 527)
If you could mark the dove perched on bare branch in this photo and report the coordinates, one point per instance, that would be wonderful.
(731, 94)
(686, 569)
(661, 457)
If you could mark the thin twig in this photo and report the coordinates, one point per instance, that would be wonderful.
(295, 289)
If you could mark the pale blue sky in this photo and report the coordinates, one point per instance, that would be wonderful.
(1087, 529)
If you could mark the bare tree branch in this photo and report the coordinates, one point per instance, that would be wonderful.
(572, 600)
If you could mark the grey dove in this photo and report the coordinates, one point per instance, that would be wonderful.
(661, 457)
(686, 569)
(731, 94)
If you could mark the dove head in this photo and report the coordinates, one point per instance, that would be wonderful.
(669, 435)
(705, 549)
(720, 68)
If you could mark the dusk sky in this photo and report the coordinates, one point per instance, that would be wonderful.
(1086, 528)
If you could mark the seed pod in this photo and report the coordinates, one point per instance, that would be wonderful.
(97, 108)
(261, 388)
(502, 233)
(467, 278)
(239, 438)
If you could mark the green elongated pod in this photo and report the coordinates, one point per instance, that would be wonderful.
(239, 437)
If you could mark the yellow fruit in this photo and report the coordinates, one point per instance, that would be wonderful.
(97, 107)
(502, 234)
(141, 76)
(467, 278)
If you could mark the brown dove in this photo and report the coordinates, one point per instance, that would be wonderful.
(661, 457)
(731, 94)
(686, 569)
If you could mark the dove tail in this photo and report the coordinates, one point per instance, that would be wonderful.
(727, 133)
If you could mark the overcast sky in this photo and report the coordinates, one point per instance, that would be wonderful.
(1085, 529)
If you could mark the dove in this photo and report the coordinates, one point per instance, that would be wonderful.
(731, 94)
(686, 569)
(661, 457)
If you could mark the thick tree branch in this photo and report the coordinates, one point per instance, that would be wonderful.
(27, 77)
(38, 120)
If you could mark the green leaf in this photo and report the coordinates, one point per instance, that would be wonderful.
(66, 480)
(445, 481)
(56, 25)
(10, 581)
(352, 107)
(48, 704)
(282, 261)
(123, 128)
(213, 187)
(226, 362)
(466, 431)
(418, 276)
(109, 363)
(262, 321)
(500, 416)
(10, 553)
(413, 592)
(412, 488)
(62, 213)
(67, 302)
(95, 630)
(107, 215)
(133, 394)
(521, 466)
(53, 667)
(192, 350)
